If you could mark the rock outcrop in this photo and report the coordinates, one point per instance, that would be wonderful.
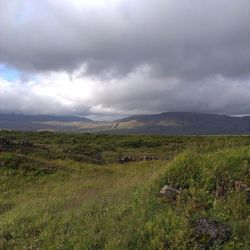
(125, 159)
(169, 192)
(208, 232)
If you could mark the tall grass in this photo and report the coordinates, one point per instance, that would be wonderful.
(116, 206)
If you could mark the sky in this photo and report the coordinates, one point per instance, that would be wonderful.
(114, 58)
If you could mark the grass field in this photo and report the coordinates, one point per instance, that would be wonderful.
(67, 191)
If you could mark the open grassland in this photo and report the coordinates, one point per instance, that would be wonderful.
(68, 191)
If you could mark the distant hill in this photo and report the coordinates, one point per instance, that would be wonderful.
(36, 122)
(41, 118)
(168, 123)
(183, 123)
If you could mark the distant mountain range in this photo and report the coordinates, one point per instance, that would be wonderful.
(36, 122)
(169, 123)
(184, 123)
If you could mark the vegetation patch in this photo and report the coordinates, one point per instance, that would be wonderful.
(50, 199)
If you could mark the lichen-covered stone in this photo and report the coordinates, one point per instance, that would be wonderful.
(169, 192)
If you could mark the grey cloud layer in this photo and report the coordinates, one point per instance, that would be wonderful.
(184, 38)
(197, 51)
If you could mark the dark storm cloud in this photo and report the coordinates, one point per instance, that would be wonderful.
(196, 52)
(151, 95)
(179, 38)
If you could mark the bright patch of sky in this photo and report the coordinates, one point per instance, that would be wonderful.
(9, 74)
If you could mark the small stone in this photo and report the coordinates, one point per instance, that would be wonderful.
(208, 232)
(241, 186)
(125, 159)
(26, 143)
(149, 158)
(169, 192)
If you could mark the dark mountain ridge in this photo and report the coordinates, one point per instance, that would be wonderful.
(189, 123)
(36, 122)
(41, 118)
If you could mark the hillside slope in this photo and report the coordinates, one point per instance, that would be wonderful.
(50, 198)
(184, 123)
(37, 122)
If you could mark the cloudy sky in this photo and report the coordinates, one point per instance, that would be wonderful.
(109, 58)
